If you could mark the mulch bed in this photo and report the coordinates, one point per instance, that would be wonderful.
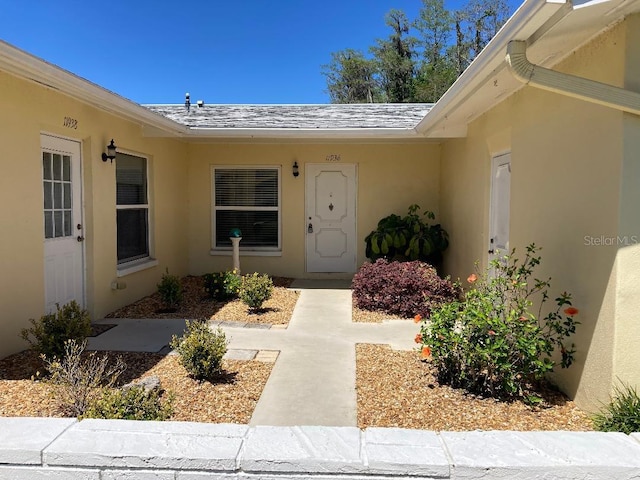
(397, 389)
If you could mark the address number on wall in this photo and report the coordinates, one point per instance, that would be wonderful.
(334, 157)
(70, 123)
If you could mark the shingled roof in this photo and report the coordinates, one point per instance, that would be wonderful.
(322, 117)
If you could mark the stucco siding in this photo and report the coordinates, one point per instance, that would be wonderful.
(566, 166)
(390, 177)
(27, 111)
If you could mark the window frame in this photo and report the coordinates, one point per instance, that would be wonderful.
(125, 267)
(253, 250)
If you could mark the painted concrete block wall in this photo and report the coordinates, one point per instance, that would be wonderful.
(390, 178)
(566, 170)
(29, 110)
(109, 449)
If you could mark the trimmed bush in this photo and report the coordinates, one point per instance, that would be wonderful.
(493, 342)
(401, 288)
(133, 403)
(170, 290)
(48, 335)
(79, 379)
(622, 414)
(201, 350)
(255, 290)
(222, 285)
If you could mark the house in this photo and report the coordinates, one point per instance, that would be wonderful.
(538, 141)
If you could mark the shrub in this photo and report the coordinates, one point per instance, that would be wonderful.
(201, 350)
(78, 380)
(622, 414)
(407, 238)
(222, 285)
(491, 343)
(133, 403)
(48, 335)
(255, 290)
(401, 288)
(170, 290)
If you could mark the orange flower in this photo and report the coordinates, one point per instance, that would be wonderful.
(472, 278)
(491, 332)
(571, 311)
(425, 352)
(418, 338)
(523, 319)
(417, 318)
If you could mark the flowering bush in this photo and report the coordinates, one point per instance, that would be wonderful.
(401, 288)
(490, 342)
(222, 285)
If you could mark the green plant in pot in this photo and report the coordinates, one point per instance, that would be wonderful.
(408, 238)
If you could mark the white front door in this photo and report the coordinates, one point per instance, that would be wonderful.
(500, 206)
(330, 217)
(63, 230)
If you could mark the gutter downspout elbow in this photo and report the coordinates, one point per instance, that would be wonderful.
(569, 85)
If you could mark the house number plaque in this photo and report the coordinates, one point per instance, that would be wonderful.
(70, 123)
(334, 157)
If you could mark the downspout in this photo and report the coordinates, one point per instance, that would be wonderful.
(569, 85)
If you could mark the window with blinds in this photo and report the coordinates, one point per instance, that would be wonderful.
(248, 199)
(132, 208)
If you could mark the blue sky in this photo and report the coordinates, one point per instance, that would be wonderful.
(247, 51)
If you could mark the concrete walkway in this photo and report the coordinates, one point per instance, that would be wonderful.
(313, 379)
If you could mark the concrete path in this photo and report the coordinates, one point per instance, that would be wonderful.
(313, 379)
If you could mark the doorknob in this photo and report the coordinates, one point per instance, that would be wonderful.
(80, 238)
(310, 228)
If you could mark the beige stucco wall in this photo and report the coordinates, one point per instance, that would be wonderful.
(390, 178)
(29, 109)
(567, 167)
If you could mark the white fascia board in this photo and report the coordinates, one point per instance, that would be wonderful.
(24, 65)
(302, 133)
(531, 15)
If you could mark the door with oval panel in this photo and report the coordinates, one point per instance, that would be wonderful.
(330, 193)
(62, 216)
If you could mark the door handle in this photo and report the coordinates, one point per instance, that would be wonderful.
(492, 251)
(310, 228)
(80, 238)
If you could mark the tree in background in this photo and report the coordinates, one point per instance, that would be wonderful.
(351, 78)
(394, 59)
(420, 68)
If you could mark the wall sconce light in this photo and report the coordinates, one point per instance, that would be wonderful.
(111, 152)
(296, 170)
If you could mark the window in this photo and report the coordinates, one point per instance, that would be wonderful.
(248, 199)
(132, 208)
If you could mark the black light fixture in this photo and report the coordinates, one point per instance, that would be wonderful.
(296, 170)
(111, 152)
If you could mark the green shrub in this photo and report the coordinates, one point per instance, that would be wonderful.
(255, 290)
(401, 288)
(222, 285)
(132, 403)
(48, 335)
(78, 379)
(622, 414)
(201, 350)
(407, 238)
(170, 290)
(491, 342)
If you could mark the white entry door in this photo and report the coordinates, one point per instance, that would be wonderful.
(330, 217)
(500, 206)
(63, 230)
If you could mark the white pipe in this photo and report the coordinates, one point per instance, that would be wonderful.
(569, 85)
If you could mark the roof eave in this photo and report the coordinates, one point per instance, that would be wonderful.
(531, 15)
(24, 65)
(303, 133)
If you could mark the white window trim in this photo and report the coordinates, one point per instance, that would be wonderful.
(143, 263)
(246, 251)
